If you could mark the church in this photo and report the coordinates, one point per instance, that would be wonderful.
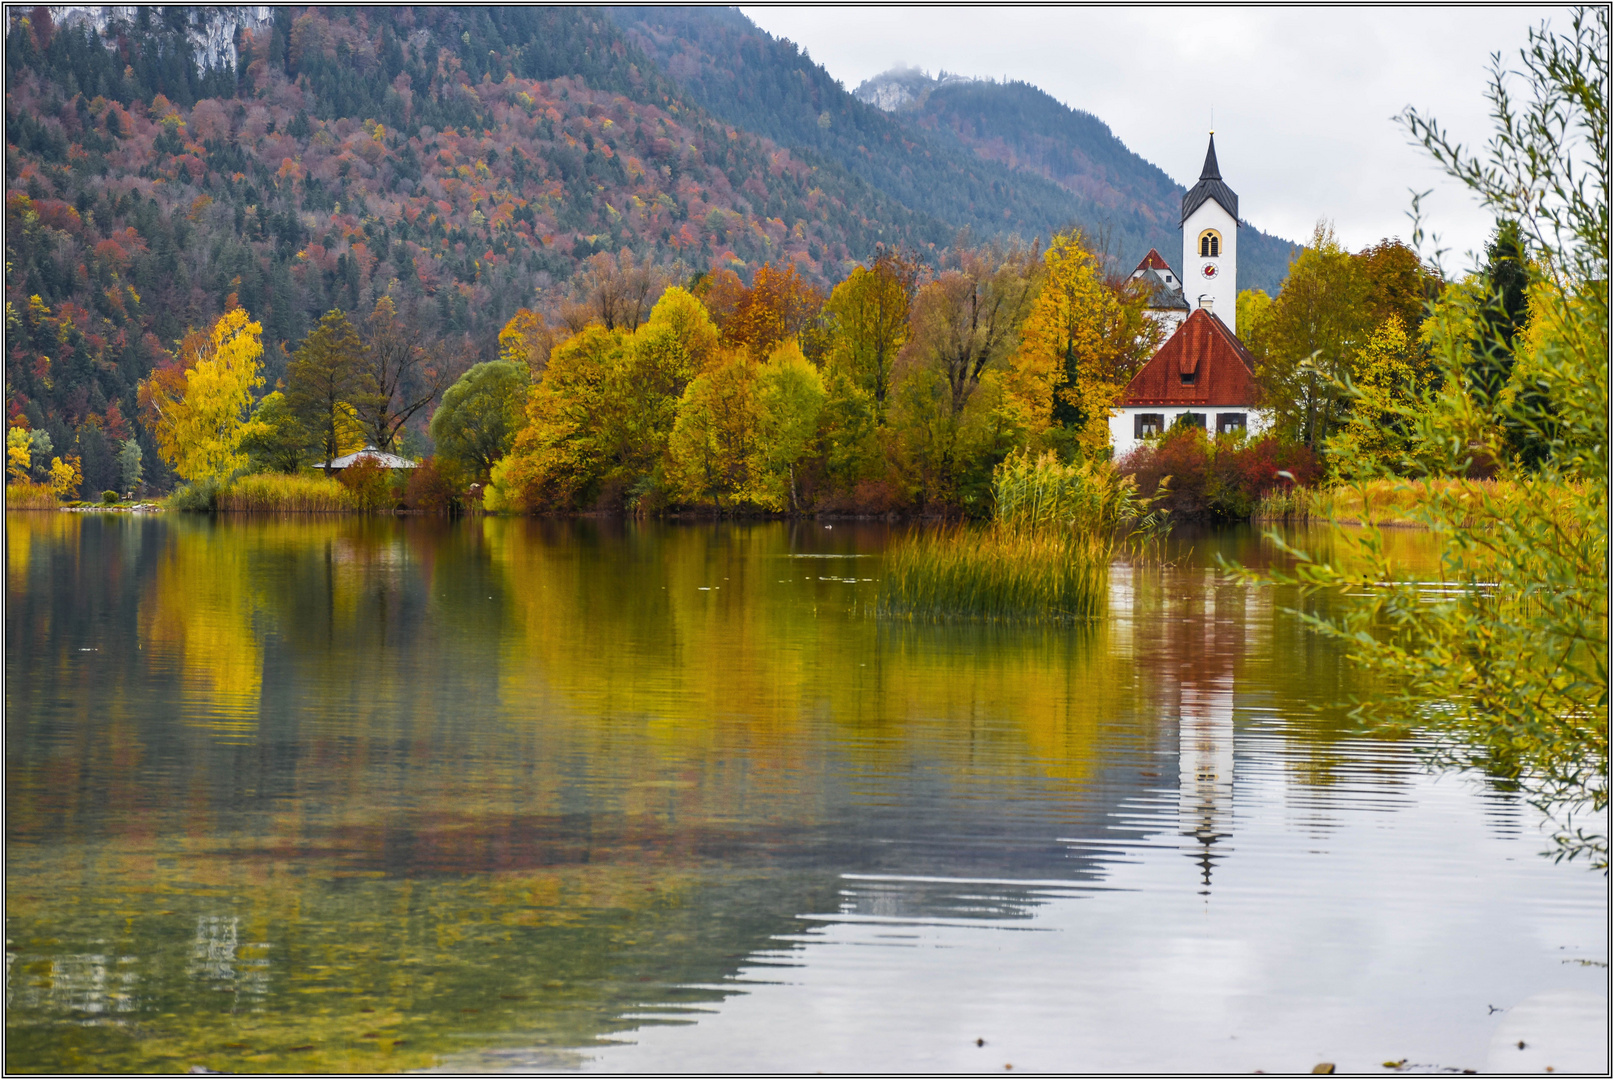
(1203, 375)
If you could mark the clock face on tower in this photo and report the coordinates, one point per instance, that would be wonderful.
(1208, 271)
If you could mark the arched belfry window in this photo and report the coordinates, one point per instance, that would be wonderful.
(1210, 244)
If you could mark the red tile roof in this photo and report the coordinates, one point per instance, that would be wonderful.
(1152, 261)
(1203, 346)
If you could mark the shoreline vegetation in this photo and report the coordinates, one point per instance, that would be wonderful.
(1043, 558)
(1392, 502)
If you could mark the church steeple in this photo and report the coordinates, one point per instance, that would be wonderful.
(1210, 171)
(1210, 187)
(1210, 239)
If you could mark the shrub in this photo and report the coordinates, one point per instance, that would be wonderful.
(278, 492)
(109, 498)
(435, 487)
(29, 496)
(370, 484)
(1194, 478)
(200, 497)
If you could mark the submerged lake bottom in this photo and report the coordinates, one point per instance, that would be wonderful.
(339, 794)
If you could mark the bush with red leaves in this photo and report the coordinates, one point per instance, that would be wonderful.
(1216, 479)
(435, 487)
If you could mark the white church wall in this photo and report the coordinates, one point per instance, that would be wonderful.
(1123, 422)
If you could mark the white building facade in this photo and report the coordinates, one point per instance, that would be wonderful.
(1203, 375)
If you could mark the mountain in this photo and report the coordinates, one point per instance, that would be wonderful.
(463, 161)
(458, 159)
(995, 157)
(1026, 129)
(759, 83)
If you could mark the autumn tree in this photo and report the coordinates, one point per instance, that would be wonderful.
(402, 375)
(1316, 323)
(600, 419)
(968, 318)
(19, 454)
(714, 442)
(526, 339)
(326, 375)
(1088, 335)
(477, 422)
(868, 323)
(276, 440)
(197, 409)
(1386, 377)
(615, 291)
(778, 306)
(790, 398)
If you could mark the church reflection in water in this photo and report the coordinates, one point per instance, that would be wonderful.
(1205, 770)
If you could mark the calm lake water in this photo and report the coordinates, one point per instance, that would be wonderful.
(316, 794)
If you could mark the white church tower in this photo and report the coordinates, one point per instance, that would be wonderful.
(1210, 243)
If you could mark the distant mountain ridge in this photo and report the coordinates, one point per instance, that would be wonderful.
(1029, 130)
(738, 73)
(996, 157)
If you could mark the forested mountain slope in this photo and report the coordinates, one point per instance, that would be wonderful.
(459, 159)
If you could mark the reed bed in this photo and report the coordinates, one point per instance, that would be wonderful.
(281, 493)
(27, 496)
(996, 574)
(1044, 557)
(1042, 495)
(1401, 502)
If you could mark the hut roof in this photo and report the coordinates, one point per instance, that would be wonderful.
(370, 453)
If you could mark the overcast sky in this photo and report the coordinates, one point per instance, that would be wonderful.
(1303, 98)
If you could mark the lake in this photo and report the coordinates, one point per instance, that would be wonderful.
(312, 794)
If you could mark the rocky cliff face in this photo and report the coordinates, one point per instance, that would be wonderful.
(210, 30)
(901, 89)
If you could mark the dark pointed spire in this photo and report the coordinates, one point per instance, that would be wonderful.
(1210, 188)
(1210, 171)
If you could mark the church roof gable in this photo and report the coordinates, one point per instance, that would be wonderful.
(1222, 369)
(1210, 187)
(1152, 261)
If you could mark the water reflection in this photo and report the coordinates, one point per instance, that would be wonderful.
(331, 794)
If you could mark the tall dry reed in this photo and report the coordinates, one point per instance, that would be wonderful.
(278, 492)
(28, 496)
(1044, 557)
(995, 574)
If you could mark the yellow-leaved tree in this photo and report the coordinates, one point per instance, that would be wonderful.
(1386, 375)
(527, 340)
(1084, 339)
(199, 417)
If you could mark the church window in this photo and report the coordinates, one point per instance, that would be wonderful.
(1210, 244)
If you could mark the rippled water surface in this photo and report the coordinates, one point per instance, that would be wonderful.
(323, 794)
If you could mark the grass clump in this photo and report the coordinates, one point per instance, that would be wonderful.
(996, 574)
(1044, 557)
(30, 496)
(282, 493)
